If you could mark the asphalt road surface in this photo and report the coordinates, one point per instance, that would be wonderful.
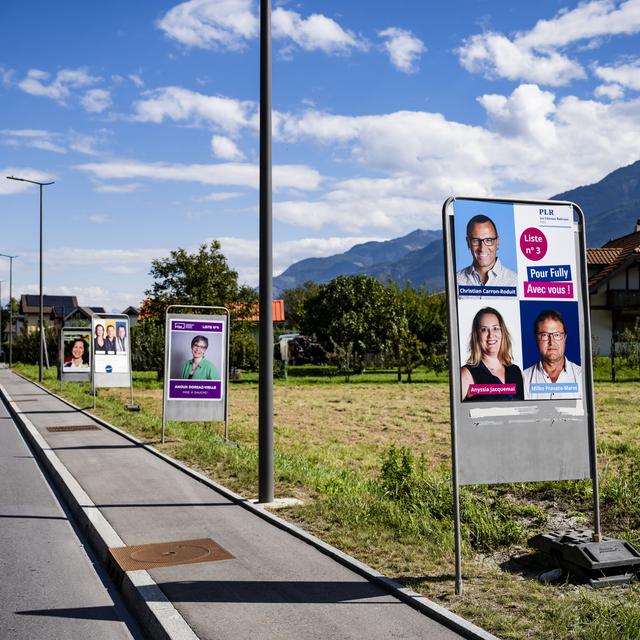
(50, 585)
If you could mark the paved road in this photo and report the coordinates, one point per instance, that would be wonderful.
(279, 584)
(49, 587)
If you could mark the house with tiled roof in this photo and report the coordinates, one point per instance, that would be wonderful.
(80, 316)
(614, 288)
(59, 306)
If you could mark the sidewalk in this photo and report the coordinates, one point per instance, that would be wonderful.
(280, 582)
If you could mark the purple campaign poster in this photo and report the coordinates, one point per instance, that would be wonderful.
(196, 359)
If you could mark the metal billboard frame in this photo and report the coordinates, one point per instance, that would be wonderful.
(166, 361)
(521, 411)
(93, 355)
(74, 376)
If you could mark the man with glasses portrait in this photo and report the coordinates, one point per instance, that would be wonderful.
(553, 377)
(486, 269)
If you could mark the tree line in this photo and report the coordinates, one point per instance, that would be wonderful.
(354, 322)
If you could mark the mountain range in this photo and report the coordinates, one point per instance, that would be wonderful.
(611, 209)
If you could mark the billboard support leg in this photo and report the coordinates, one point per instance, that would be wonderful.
(457, 536)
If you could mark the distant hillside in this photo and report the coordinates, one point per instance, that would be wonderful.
(361, 258)
(611, 208)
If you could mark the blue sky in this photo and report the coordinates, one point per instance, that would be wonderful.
(145, 115)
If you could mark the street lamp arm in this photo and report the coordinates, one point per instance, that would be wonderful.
(42, 184)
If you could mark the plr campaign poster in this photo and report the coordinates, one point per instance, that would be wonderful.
(196, 359)
(516, 289)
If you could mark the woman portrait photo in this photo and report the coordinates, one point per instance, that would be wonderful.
(99, 344)
(490, 360)
(198, 367)
(79, 358)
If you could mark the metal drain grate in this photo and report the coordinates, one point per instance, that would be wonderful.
(27, 400)
(73, 427)
(168, 554)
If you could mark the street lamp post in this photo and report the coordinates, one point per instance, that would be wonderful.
(265, 389)
(4, 255)
(40, 184)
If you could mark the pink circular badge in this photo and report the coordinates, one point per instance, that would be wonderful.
(533, 244)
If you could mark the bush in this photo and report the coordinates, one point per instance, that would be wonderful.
(147, 347)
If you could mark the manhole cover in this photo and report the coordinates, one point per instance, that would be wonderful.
(73, 427)
(168, 554)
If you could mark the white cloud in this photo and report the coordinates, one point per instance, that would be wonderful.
(234, 174)
(59, 89)
(609, 91)
(535, 145)
(231, 24)
(99, 218)
(524, 113)
(9, 187)
(403, 47)
(96, 100)
(497, 56)
(136, 79)
(183, 105)
(625, 75)
(534, 56)
(86, 144)
(315, 33)
(128, 187)
(219, 196)
(7, 76)
(35, 138)
(223, 24)
(226, 149)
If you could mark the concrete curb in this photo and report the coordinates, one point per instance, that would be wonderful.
(413, 599)
(155, 613)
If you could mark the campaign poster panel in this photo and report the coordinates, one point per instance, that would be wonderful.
(75, 353)
(110, 336)
(197, 350)
(517, 297)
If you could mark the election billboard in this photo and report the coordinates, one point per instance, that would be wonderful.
(521, 378)
(75, 354)
(196, 367)
(111, 349)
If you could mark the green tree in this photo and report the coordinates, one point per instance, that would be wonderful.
(351, 316)
(199, 278)
(294, 303)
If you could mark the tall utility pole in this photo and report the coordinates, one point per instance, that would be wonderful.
(265, 391)
(40, 184)
(4, 255)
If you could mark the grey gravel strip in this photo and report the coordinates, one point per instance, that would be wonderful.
(415, 600)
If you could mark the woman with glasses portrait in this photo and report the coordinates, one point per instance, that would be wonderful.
(198, 367)
(490, 362)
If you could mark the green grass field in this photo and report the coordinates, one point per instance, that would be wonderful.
(371, 461)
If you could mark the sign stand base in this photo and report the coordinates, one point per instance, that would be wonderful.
(602, 563)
